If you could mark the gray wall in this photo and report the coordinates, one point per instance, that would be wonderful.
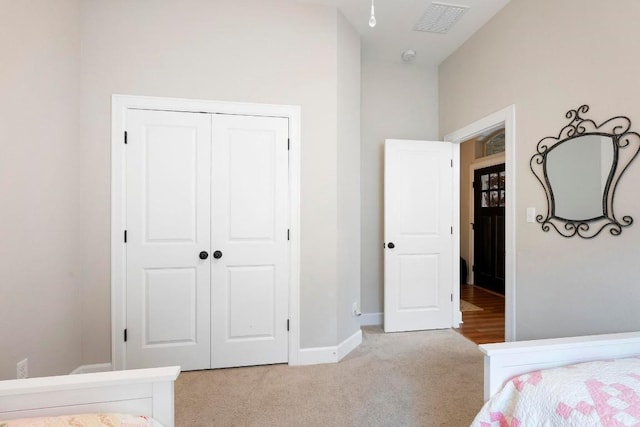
(348, 152)
(547, 57)
(399, 101)
(40, 296)
(63, 60)
(275, 51)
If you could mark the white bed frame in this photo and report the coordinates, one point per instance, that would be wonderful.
(503, 361)
(146, 392)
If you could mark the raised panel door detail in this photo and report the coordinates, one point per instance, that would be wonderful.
(252, 181)
(170, 182)
(170, 306)
(419, 193)
(251, 291)
(418, 282)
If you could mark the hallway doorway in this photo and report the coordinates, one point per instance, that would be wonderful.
(482, 246)
(502, 121)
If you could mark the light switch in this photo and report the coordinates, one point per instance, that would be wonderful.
(531, 214)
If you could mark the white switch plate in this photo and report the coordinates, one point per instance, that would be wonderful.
(531, 214)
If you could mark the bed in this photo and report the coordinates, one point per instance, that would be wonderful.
(142, 393)
(590, 380)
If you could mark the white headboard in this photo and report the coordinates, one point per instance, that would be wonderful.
(503, 361)
(139, 391)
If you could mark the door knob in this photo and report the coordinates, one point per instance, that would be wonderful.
(390, 245)
(204, 255)
(217, 254)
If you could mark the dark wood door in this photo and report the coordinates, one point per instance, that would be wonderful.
(489, 246)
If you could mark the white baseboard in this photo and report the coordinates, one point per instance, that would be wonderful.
(371, 319)
(350, 344)
(306, 356)
(317, 355)
(90, 369)
(333, 354)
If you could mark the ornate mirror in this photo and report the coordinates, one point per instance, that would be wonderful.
(579, 171)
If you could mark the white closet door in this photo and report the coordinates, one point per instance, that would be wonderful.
(249, 229)
(418, 214)
(168, 172)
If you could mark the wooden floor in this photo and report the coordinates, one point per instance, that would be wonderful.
(484, 326)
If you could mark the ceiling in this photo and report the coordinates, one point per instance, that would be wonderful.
(393, 33)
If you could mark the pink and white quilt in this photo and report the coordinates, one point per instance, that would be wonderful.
(600, 393)
(84, 420)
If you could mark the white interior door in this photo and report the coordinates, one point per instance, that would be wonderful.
(249, 229)
(168, 167)
(418, 212)
(212, 185)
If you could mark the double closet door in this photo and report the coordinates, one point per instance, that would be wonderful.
(207, 240)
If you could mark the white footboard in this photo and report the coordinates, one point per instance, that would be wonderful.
(505, 360)
(146, 392)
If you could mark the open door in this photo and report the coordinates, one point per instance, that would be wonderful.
(418, 233)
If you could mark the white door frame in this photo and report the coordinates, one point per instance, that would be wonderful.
(119, 106)
(506, 116)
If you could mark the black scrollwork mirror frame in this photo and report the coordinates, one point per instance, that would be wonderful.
(626, 145)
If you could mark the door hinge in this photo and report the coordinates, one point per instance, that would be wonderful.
(125, 335)
(451, 162)
(125, 236)
(451, 297)
(452, 230)
(288, 234)
(125, 136)
(288, 144)
(287, 324)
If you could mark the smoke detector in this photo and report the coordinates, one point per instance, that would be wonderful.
(408, 55)
(440, 17)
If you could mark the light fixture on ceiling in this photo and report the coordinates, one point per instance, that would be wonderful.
(372, 20)
(408, 55)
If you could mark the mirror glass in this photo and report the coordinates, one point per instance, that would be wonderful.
(578, 170)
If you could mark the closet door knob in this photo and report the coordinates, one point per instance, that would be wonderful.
(217, 254)
(204, 255)
(390, 245)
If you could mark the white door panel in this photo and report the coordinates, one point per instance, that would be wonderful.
(202, 182)
(170, 306)
(418, 215)
(249, 227)
(167, 284)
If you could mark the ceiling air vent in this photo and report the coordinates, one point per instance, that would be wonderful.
(440, 17)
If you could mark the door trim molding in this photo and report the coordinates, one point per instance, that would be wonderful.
(506, 116)
(119, 106)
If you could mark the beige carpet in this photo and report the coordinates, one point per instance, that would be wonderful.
(467, 306)
(431, 378)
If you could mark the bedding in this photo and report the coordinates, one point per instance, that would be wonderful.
(84, 420)
(598, 393)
